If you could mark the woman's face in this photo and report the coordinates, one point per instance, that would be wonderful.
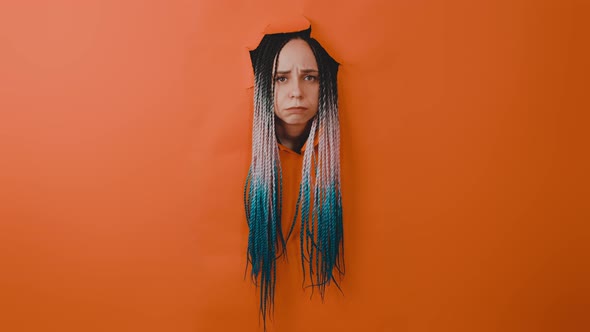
(297, 84)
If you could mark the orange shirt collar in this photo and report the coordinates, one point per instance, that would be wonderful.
(315, 144)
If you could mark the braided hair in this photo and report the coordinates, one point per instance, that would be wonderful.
(319, 204)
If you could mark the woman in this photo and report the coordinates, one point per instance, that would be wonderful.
(289, 185)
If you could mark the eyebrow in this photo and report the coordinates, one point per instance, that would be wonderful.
(302, 70)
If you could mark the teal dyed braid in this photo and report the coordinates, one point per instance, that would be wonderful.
(263, 189)
(321, 237)
(319, 203)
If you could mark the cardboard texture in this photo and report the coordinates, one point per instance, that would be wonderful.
(125, 141)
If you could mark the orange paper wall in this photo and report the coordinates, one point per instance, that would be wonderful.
(125, 141)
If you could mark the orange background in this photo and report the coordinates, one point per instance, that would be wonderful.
(125, 141)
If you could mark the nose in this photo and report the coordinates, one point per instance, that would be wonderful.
(295, 89)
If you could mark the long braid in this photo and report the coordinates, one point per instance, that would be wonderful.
(322, 231)
(263, 188)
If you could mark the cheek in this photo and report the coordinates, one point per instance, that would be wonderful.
(276, 102)
(314, 95)
(279, 98)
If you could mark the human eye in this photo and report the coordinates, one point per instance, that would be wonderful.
(310, 78)
(280, 79)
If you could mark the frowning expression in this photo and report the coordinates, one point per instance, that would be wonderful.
(297, 83)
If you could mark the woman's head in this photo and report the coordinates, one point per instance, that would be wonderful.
(296, 84)
(297, 73)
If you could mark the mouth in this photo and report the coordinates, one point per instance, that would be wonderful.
(297, 109)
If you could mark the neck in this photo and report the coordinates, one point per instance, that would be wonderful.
(292, 136)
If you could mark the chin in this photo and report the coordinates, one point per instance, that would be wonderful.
(295, 119)
(295, 122)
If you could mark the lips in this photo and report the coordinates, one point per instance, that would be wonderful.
(297, 109)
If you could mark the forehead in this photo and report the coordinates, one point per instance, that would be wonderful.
(296, 54)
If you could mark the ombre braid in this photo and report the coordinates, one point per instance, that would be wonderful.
(319, 205)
